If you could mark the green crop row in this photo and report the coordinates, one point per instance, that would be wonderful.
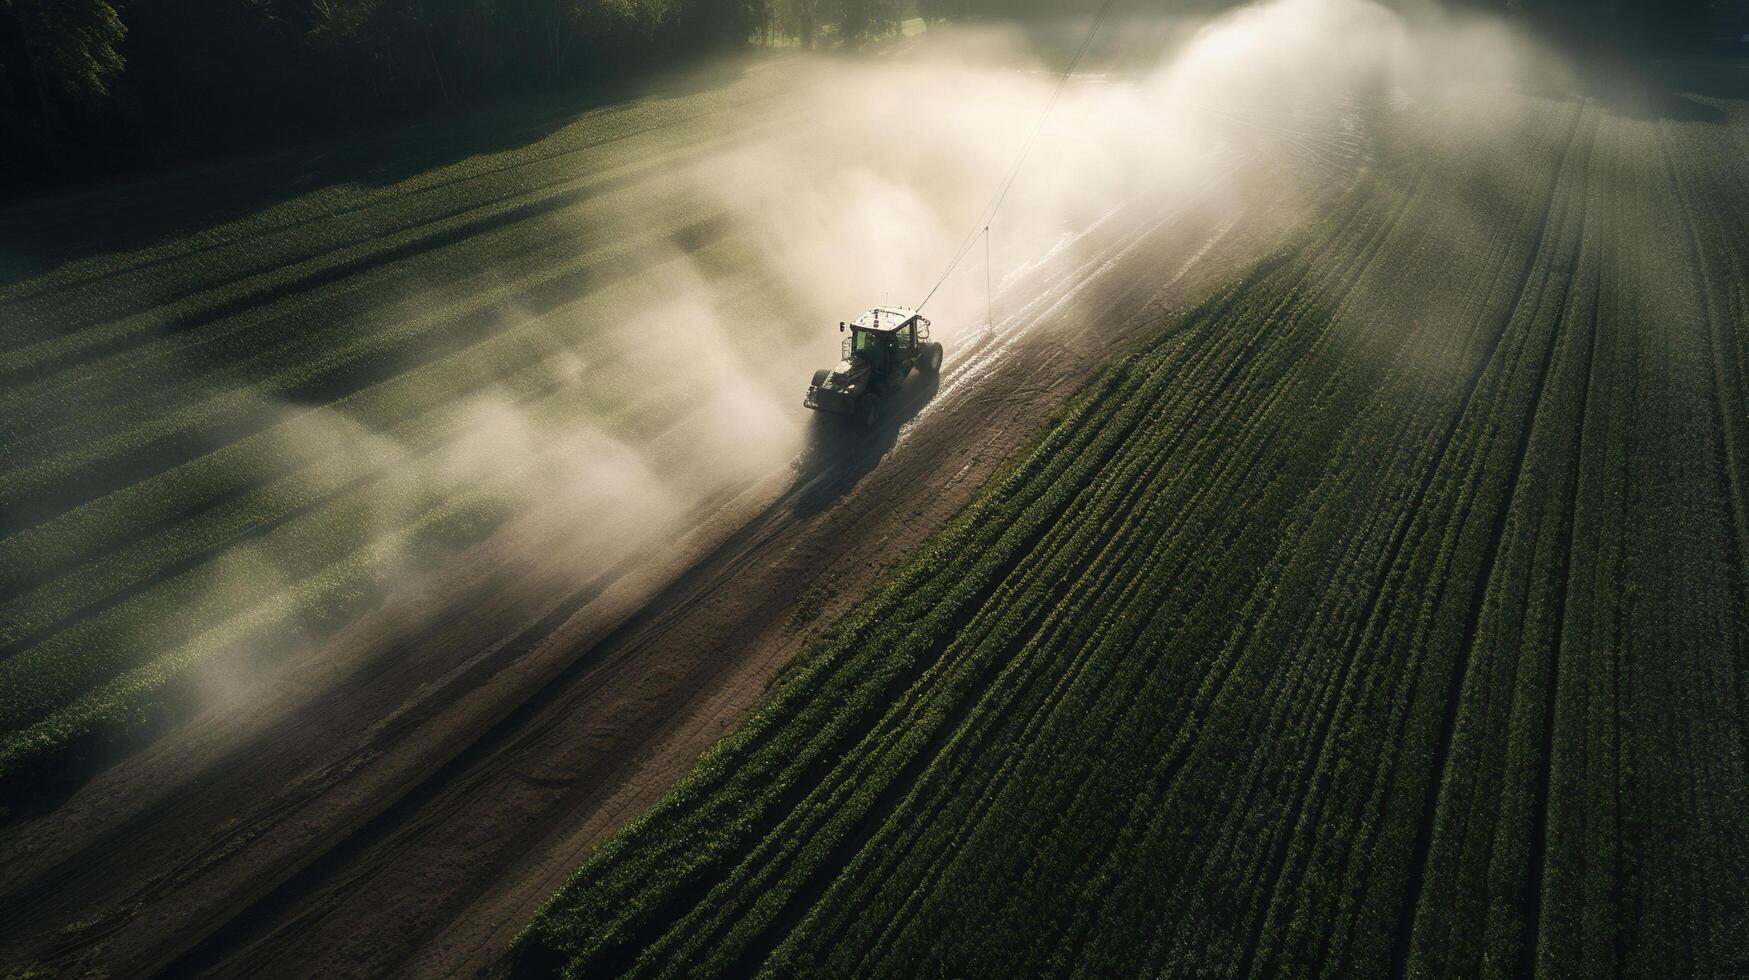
(302, 453)
(241, 329)
(604, 144)
(336, 533)
(159, 410)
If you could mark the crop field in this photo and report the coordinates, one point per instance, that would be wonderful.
(383, 522)
(1386, 613)
(224, 442)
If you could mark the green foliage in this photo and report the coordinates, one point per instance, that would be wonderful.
(203, 75)
(861, 19)
(72, 46)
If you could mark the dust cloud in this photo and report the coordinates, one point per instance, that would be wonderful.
(669, 393)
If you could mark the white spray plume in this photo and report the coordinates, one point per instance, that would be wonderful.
(881, 169)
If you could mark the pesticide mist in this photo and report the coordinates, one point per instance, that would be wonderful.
(663, 403)
(867, 182)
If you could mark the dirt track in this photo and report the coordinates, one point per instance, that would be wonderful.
(426, 778)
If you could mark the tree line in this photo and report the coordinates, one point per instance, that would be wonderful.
(97, 85)
(94, 86)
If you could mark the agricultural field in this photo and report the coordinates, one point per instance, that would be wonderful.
(1324, 549)
(386, 521)
(1385, 613)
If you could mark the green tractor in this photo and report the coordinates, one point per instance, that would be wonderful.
(883, 346)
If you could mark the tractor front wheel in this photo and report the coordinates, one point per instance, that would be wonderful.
(931, 360)
(868, 411)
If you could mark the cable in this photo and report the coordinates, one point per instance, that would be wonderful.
(989, 286)
(989, 213)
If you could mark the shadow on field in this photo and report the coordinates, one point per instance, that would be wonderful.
(840, 452)
(1651, 102)
(1672, 90)
(1714, 77)
(130, 213)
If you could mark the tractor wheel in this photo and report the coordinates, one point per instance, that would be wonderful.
(868, 411)
(820, 377)
(931, 361)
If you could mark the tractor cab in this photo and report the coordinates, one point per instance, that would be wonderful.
(884, 336)
(884, 345)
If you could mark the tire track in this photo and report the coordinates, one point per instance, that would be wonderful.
(1401, 949)
(1728, 442)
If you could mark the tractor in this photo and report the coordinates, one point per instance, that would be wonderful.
(884, 345)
